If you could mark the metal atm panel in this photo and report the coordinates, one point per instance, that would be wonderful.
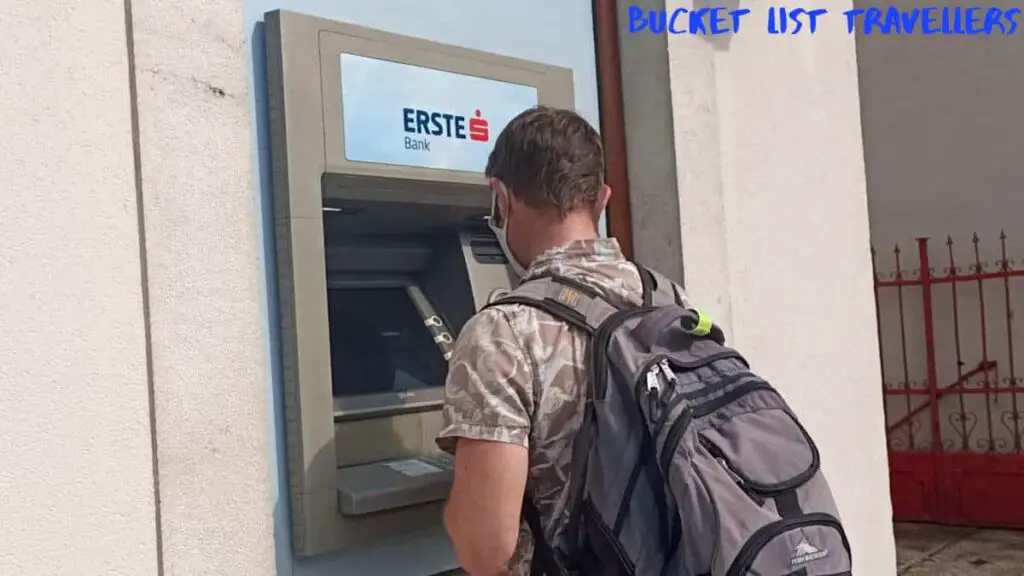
(360, 234)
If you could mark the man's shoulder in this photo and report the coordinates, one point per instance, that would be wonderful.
(489, 387)
(514, 321)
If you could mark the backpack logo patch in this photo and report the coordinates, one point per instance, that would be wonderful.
(805, 552)
(569, 297)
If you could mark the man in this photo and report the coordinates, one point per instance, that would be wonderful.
(514, 394)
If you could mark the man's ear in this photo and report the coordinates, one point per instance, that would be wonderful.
(603, 196)
(495, 185)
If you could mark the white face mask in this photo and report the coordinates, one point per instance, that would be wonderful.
(500, 229)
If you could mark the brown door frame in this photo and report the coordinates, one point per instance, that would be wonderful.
(613, 125)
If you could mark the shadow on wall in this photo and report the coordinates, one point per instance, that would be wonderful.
(664, 19)
(719, 42)
(282, 508)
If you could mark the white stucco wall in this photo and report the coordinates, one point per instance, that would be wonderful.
(76, 479)
(774, 232)
(205, 286)
(81, 492)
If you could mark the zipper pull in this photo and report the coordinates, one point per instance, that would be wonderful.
(653, 393)
(757, 498)
(667, 371)
(729, 471)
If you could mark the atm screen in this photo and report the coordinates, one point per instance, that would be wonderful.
(380, 344)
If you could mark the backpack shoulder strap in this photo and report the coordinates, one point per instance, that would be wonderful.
(659, 290)
(584, 307)
(543, 562)
(563, 298)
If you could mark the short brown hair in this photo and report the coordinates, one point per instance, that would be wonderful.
(549, 158)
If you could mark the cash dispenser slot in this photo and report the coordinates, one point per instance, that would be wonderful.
(392, 484)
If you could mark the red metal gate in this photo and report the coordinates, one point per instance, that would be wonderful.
(955, 433)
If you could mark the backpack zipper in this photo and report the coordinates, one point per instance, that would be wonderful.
(684, 397)
(653, 394)
(663, 363)
(735, 476)
(652, 372)
(603, 335)
(670, 378)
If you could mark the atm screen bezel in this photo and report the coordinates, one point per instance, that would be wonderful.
(388, 403)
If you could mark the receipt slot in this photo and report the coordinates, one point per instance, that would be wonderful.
(378, 144)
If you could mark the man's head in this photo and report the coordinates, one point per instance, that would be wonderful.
(547, 176)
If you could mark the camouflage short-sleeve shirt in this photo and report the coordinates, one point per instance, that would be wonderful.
(516, 376)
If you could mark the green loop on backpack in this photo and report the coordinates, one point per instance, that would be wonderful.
(703, 326)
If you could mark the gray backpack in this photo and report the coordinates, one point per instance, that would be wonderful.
(687, 463)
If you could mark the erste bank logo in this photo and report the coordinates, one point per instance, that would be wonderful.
(426, 123)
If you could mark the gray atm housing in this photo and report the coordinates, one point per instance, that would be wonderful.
(386, 226)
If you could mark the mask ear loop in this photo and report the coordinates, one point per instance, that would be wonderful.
(499, 226)
(495, 218)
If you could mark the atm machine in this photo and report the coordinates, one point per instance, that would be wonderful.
(378, 144)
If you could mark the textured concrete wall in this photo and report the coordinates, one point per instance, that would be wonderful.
(774, 232)
(76, 472)
(133, 421)
(205, 286)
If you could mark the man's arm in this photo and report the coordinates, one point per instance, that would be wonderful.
(488, 407)
(482, 516)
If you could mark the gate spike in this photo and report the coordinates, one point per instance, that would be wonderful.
(952, 270)
(898, 274)
(1004, 262)
(979, 266)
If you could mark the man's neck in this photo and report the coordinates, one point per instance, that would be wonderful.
(575, 227)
